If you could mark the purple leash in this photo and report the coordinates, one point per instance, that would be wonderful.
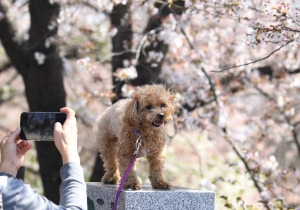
(137, 144)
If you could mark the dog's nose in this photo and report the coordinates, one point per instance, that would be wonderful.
(160, 116)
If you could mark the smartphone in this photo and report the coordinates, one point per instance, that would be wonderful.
(39, 126)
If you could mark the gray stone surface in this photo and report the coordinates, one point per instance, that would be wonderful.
(102, 197)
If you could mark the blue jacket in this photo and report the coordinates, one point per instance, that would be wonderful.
(16, 195)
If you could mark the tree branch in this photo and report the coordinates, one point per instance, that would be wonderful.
(212, 87)
(88, 4)
(287, 119)
(295, 21)
(255, 61)
(296, 71)
(246, 166)
(5, 67)
(106, 58)
(12, 78)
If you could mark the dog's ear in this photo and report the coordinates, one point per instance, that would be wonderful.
(131, 113)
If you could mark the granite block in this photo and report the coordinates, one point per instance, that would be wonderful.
(102, 196)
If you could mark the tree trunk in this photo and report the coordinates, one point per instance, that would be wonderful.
(120, 42)
(44, 86)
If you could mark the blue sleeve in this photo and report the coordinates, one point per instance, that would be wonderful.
(17, 195)
(73, 187)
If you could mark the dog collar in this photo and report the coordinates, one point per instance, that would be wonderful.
(137, 132)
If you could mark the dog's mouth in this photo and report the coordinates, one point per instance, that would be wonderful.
(158, 123)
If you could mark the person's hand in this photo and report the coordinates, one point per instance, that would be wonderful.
(12, 152)
(65, 137)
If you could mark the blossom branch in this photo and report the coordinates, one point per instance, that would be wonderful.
(88, 4)
(296, 71)
(105, 58)
(290, 29)
(175, 130)
(255, 61)
(235, 149)
(212, 87)
(295, 21)
(142, 42)
(287, 119)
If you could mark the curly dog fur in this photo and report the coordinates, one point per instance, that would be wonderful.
(147, 110)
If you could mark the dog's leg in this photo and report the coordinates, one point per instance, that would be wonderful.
(132, 181)
(156, 175)
(108, 155)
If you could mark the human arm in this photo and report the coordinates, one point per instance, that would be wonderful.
(73, 187)
(17, 195)
(14, 192)
(65, 137)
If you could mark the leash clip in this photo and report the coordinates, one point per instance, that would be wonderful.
(138, 143)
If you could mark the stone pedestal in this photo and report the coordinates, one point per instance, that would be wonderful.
(102, 197)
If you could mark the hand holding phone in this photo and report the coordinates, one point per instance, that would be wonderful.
(39, 126)
(65, 137)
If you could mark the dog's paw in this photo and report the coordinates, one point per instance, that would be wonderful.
(161, 185)
(132, 185)
(111, 179)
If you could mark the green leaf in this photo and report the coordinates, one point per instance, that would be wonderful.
(224, 197)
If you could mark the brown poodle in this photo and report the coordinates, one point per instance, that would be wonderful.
(146, 112)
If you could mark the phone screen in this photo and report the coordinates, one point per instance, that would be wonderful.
(39, 126)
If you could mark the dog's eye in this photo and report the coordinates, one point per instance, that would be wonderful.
(148, 107)
(163, 105)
